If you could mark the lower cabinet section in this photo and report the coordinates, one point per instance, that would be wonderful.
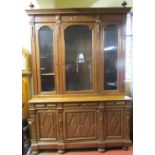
(80, 125)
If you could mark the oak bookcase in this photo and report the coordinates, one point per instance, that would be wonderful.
(78, 70)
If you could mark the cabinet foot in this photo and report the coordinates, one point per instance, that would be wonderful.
(101, 149)
(61, 151)
(125, 148)
(35, 152)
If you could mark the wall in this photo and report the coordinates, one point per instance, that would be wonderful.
(111, 3)
(78, 3)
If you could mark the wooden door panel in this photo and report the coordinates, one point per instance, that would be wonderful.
(127, 122)
(80, 125)
(73, 125)
(114, 124)
(46, 122)
(88, 124)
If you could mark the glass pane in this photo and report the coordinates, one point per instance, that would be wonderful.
(46, 59)
(110, 57)
(78, 58)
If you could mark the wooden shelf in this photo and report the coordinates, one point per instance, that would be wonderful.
(48, 74)
(42, 57)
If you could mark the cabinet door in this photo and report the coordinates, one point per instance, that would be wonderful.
(46, 58)
(80, 124)
(114, 123)
(112, 64)
(78, 59)
(46, 125)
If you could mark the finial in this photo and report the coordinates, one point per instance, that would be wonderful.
(124, 4)
(31, 5)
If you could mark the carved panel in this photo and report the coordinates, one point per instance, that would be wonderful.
(114, 123)
(78, 18)
(87, 124)
(73, 124)
(81, 125)
(100, 119)
(47, 124)
(60, 124)
(127, 124)
(33, 125)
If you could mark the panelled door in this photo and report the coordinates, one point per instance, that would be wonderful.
(114, 123)
(46, 125)
(80, 124)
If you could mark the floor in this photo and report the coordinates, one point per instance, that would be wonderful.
(116, 151)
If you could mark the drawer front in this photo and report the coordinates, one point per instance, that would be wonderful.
(81, 105)
(45, 105)
(115, 103)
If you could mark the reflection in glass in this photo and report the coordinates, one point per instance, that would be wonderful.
(110, 57)
(46, 58)
(78, 58)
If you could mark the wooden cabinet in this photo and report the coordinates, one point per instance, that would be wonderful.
(78, 70)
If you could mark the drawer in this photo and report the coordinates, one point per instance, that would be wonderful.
(71, 105)
(45, 105)
(89, 105)
(114, 103)
(81, 105)
(40, 105)
(49, 105)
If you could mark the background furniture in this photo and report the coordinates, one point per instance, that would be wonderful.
(26, 142)
(26, 82)
(78, 67)
(26, 95)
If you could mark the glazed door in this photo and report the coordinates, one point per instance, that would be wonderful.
(78, 57)
(46, 58)
(112, 59)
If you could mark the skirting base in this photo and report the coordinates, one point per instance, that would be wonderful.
(61, 151)
(102, 149)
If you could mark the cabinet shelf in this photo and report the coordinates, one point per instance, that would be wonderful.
(43, 57)
(48, 74)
